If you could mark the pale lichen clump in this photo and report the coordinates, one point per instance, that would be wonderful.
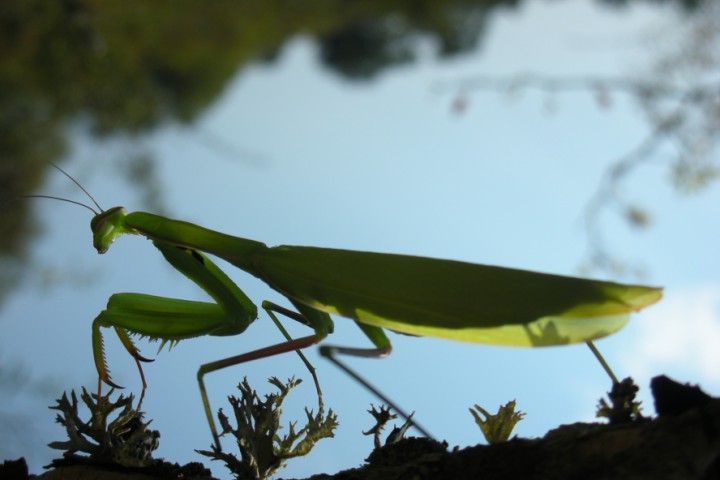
(262, 450)
(125, 440)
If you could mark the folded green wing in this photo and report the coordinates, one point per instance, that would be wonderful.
(450, 299)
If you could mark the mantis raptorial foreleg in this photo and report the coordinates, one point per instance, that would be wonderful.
(103, 376)
(171, 320)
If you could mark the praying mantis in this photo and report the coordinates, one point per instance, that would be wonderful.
(407, 294)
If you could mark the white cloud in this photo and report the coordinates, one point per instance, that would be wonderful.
(681, 334)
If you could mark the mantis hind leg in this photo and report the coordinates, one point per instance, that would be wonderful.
(382, 349)
(602, 361)
(271, 309)
(331, 351)
(287, 346)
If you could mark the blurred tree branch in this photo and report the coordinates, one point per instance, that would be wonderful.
(680, 99)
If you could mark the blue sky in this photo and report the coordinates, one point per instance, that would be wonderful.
(388, 167)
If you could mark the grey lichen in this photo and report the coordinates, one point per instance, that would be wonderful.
(262, 450)
(126, 440)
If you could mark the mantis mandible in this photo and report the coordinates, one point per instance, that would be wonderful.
(407, 294)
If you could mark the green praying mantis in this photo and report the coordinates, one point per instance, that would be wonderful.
(406, 294)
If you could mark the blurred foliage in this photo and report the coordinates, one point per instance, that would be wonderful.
(129, 66)
(679, 97)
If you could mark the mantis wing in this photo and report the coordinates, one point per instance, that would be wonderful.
(451, 299)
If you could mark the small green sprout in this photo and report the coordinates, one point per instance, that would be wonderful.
(498, 427)
(125, 440)
(262, 450)
(623, 408)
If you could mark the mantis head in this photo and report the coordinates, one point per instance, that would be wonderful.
(107, 226)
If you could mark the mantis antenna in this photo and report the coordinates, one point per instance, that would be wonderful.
(51, 197)
(61, 199)
(80, 187)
